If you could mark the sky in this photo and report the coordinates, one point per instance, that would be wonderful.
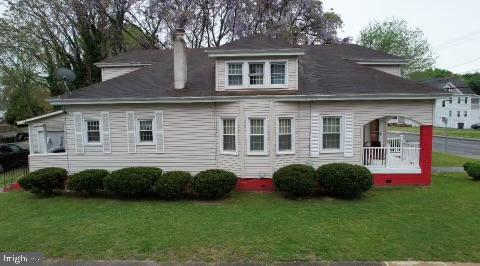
(451, 27)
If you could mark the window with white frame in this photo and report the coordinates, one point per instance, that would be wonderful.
(256, 137)
(331, 134)
(450, 113)
(255, 73)
(466, 100)
(285, 139)
(92, 128)
(458, 113)
(145, 130)
(277, 73)
(229, 135)
(465, 114)
(235, 74)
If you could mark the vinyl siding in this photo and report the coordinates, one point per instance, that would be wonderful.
(193, 138)
(292, 72)
(113, 72)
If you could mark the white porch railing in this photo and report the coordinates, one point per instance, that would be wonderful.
(397, 154)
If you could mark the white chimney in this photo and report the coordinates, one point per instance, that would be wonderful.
(179, 59)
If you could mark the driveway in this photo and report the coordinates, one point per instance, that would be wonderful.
(469, 148)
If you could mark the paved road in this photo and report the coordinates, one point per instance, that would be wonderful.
(469, 148)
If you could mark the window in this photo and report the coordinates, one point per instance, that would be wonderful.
(145, 130)
(459, 99)
(229, 133)
(450, 113)
(235, 74)
(465, 114)
(450, 100)
(285, 140)
(256, 138)
(458, 113)
(5, 149)
(93, 131)
(50, 137)
(443, 103)
(277, 73)
(14, 147)
(256, 73)
(331, 135)
(466, 100)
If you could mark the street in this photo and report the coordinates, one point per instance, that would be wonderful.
(469, 148)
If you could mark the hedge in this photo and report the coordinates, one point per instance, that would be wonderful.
(44, 181)
(345, 180)
(213, 184)
(472, 169)
(296, 180)
(88, 180)
(132, 181)
(172, 184)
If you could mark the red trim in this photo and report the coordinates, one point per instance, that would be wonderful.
(12, 187)
(255, 184)
(422, 179)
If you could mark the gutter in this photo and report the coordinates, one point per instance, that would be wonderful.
(282, 98)
(100, 65)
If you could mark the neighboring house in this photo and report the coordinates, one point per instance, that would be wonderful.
(250, 106)
(461, 109)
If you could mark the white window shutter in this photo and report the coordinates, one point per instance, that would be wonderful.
(105, 121)
(77, 117)
(315, 135)
(33, 138)
(159, 134)
(348, 139)
(132, 147)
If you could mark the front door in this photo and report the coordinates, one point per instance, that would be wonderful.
(375, 133)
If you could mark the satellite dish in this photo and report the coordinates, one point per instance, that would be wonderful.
(65, 75)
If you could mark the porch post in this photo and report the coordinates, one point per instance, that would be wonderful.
(426, 135)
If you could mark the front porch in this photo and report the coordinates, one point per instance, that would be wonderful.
(394, 160)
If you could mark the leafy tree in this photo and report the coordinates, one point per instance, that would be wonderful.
(473, 81)
(394, 36)
(431, 73)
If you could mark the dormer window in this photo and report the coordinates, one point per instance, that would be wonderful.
(235, 74)
(256, 73)
(277, 73)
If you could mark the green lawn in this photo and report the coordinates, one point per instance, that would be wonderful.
(451, 132)
(441, 159)
(438, 223)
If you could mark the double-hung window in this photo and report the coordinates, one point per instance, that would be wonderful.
(459, 99)
(443, 103)
(92, 128)
(465, 114)
(277, 73)
(255, 73)
(235, 74)
(229, 135)
(458, 113)
(145, 130)
(257, 136)
(285, 135)
(466, 100)
(332, 133)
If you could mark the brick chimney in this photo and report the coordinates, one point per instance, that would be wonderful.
(179, 59)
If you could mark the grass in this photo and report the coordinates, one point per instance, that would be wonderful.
(441, 159)
(438, 223)
(451, 132)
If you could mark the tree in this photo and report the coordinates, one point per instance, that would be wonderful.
(394, 36)
(431, 73)
(473, 81)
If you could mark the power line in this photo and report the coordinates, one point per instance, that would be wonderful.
(466, 62)
(466, 37)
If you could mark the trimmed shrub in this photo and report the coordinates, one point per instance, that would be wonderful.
(44, 181)
(213, 184)
(345, 180)
(296, 180)
(132, 181)
(172, 184)
(89, 180)
(472, 169)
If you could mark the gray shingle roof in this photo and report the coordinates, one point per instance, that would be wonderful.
(439, 83)
(323, 70)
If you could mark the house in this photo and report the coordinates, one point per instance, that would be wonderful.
(250, 106)
(461, 109)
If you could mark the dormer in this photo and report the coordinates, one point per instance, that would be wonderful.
(256, 63)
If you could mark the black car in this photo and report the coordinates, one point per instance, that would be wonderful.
(12, 156)
(476, 126)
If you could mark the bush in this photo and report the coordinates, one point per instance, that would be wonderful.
(45, 180)
(213, 184)
(88, 180)
(172, 184)
(472, 169)
(345, 180)
(132, 181)
(296, 180)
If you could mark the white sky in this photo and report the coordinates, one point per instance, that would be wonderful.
(451, 27)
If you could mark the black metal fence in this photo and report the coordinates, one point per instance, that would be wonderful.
(9, 177)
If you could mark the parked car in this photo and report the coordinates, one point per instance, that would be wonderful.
(12, 156)
(21, 136)
(476, 126)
